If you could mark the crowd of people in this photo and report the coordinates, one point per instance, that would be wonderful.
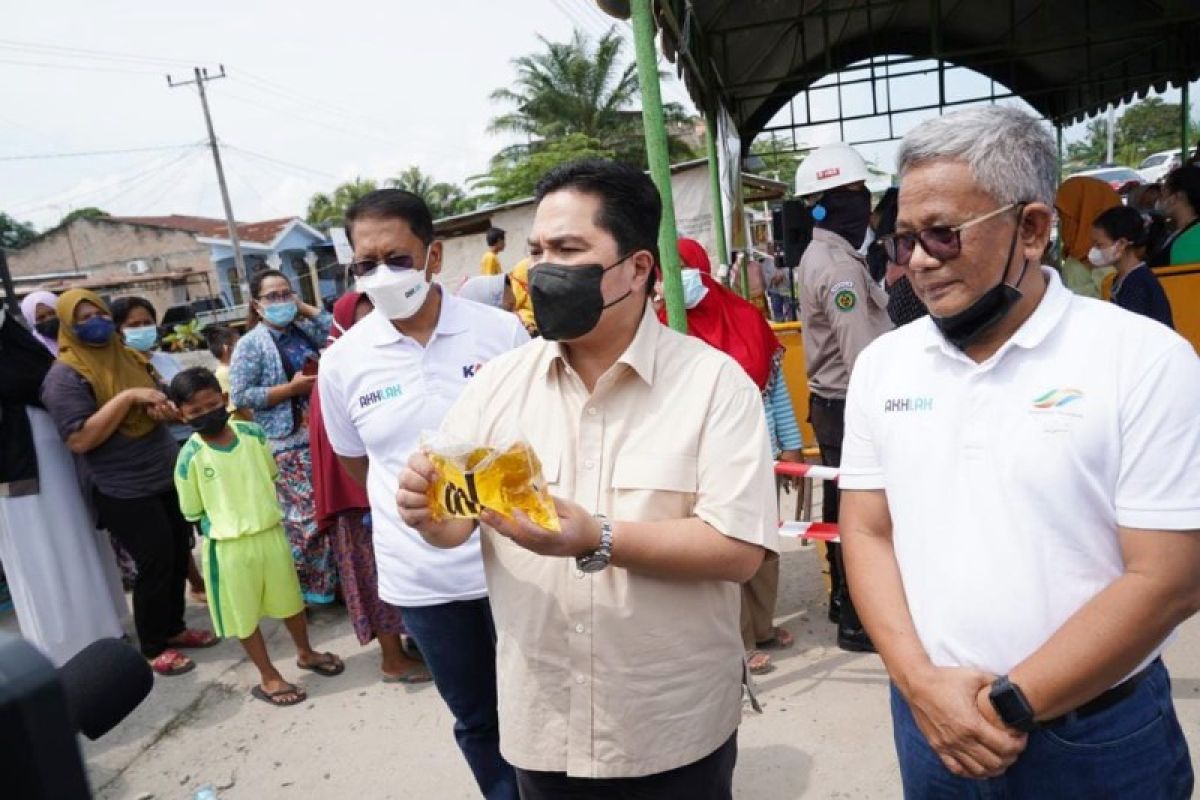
(988, 450)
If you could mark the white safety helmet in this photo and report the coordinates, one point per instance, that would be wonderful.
(829, 167)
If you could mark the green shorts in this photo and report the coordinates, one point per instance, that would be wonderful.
(249, 578)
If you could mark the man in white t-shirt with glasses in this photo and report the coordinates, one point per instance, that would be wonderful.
(390, 377)
(1020, 493)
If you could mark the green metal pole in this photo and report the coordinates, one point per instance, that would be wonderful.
(1184, 106)
(660, 162)
(714, 179)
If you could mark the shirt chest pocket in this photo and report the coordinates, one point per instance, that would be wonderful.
(650, 487)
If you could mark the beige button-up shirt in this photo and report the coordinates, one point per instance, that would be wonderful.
(842, 311)
(618, 674)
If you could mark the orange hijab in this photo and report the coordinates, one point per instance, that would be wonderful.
(1080, 200)
(109, 368)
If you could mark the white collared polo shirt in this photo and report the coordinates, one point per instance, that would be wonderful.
(379, 391)
(1007, 480)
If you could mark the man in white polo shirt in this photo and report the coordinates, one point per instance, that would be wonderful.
(1020, 488)
(390, 377)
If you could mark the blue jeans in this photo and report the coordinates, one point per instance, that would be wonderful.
(1134, 749)
(458, 641)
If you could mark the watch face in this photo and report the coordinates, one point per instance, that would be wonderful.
(593, 564)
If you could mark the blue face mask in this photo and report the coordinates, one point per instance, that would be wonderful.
(97, 330)
(694, 289)
(141, 339)
(280, 314)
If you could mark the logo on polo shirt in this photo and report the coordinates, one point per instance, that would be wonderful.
(898, 404)
(379, 395)
(472, 370)
(1057, 398)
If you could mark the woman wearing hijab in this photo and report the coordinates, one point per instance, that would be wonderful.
(737, 328)
(107, 408)
(38, 310)
(1080, 200)
(344, 514)
(60, 569)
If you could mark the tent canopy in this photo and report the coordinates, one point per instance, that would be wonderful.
(1068, 59)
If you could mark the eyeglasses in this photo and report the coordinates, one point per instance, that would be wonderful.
(361, 269)
(941, 242)
(277, 297)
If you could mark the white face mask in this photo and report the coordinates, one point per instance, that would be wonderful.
(694, 289)
(1102, 257)
(397, 295)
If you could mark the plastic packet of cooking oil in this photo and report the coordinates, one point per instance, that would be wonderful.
(471, 478)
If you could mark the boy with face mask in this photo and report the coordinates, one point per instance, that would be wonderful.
(842, 310)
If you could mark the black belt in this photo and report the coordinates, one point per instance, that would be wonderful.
(1112, 697)
(826, 402)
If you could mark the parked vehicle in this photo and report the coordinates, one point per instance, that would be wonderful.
(1121, 179)
(207, 311)
(1156, 166)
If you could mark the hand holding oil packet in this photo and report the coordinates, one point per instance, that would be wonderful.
(471, 478)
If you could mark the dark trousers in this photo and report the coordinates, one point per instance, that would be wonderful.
(828, 418)
(1135, 749)
(458, 642)
(710, 778)
(156, 535)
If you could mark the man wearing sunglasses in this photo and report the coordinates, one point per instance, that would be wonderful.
(1020, 509)
(390, 377)
(842, 311)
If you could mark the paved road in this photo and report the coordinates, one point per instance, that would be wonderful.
(824, 733)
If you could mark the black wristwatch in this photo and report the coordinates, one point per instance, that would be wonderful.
(1010, 703)
(598, 559)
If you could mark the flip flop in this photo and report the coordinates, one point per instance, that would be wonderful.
(274, 698)
(170, 663)
(411, 676)
(764, 666)
(195, 639)
(329, 666)
(781, 639)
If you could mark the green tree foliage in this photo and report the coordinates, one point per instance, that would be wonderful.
(1150, 126)
(329, 209)
(443, 199)
(774, 157)
(90, 212)
(516, 177)
(14, 234)
(579, 87)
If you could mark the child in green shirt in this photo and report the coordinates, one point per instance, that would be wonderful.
(225, 477)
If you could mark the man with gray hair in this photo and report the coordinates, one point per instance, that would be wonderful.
(1020, 509)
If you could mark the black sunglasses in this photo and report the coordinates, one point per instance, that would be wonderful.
(941, 242)
(361, 269)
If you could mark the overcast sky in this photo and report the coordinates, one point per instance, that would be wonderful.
(316, 94)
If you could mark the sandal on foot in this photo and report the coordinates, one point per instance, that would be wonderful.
(170, 663)
(288, 696)
(758, 662)
(328, 666)
(413, 675)
(195, 639)
(781, 639)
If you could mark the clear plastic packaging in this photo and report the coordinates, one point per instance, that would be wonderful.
(471, 477)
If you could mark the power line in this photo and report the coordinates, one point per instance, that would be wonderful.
(70, 198)
(82, 154)
(83, 52)
(282, 163)
(78, 68)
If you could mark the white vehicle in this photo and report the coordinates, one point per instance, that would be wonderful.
(1117, 177)
(1157, 165)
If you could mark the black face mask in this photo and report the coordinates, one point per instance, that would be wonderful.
(567, 300)
(48, 328)
(846, 212)
(210, 423)
(964, 328)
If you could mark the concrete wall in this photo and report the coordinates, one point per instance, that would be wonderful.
(102, 249)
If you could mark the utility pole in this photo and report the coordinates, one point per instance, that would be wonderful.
(1111, 133)
(202, 77)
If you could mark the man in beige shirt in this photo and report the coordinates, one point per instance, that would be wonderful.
(620, 661)
(842, 311)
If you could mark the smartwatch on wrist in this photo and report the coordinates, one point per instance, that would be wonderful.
(598, 559)
(1010, 704)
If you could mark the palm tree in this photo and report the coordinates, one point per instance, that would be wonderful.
(329, 209)
(577, 88)
(443, 199)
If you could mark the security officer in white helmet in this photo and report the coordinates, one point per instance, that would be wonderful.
(842, 311)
